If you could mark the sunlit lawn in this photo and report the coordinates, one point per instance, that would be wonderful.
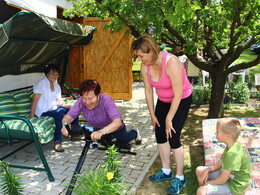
(193, 141)
(136, 65)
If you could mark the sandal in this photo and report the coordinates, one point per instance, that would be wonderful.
(58, 147)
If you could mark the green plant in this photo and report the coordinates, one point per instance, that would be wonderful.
(198, 96)
(183, 25)
(201, 95)
(238, 92)
(230, 107)
(112, 162)
(255, 95)
(105, 179)
(10, 181)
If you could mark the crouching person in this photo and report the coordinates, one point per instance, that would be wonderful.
(231, 174)
(100, 111)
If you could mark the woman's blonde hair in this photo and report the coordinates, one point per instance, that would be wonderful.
(146, 44)
(230, 125)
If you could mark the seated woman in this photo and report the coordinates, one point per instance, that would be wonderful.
(47, 101)
(100, 111)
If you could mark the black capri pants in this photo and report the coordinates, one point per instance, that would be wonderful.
(161, 111)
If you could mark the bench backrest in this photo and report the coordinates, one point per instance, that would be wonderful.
(17, 103)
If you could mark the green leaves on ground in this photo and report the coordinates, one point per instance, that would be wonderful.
(10, 181)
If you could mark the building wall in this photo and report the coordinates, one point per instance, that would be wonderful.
(48, 7)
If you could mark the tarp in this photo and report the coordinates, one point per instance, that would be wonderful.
(29, 40)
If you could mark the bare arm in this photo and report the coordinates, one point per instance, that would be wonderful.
(222, 179)
(66, 119)
(64, 104)
(204, 177)
(174, 71)
(112, 127)
(35, 99)
(149, 96)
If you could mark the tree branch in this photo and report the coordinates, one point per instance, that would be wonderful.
(173, 32)
(134, 31)
(243, 65)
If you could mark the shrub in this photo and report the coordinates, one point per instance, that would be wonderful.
(201, 95)
(238, 92)
(197, 96)
(255, 95)
(105, 179)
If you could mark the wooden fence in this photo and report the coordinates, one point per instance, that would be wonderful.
(107, 59)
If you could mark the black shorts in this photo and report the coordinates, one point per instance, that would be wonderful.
(161, 111)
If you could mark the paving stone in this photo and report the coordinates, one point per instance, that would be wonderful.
(62, 165)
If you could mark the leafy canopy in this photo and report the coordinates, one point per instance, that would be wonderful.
(190, 23)
(208, 25)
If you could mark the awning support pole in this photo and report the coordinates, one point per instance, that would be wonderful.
(65, 65)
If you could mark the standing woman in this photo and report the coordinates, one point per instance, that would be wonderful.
(164, 72)
(47, 101)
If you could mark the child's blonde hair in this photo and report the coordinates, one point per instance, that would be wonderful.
(230, 125)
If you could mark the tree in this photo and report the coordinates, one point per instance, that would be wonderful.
(210, 25)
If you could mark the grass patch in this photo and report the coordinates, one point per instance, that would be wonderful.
(136, 65)
(246, 56)
(192, 141)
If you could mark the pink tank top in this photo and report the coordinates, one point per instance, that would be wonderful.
(163, 87)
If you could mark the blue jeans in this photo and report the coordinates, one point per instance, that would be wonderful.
(58, 115)
(122, 135)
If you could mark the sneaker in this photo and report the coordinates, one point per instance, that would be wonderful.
(138, 139)
(160, 176)
(58, 147)
(177, 186)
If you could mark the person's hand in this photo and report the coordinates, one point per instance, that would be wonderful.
(168, 128)
(155, 122)
(96, 135)
(64, 131)
(204, 177)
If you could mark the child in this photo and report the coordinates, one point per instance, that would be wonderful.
(231, 174)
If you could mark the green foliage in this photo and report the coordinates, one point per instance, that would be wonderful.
(238, 92)
(10, 181)
(208, 25)
(112, 162)
(191, 20)
(105, 179)
(201, 95)
(255, 95)
(198, 96)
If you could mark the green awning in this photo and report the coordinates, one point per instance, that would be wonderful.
(29, 40)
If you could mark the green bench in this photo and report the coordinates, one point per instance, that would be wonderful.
(15, 125)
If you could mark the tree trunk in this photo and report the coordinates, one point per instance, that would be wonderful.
(216, 109)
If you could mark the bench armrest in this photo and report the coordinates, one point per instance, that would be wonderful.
(3, 118)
